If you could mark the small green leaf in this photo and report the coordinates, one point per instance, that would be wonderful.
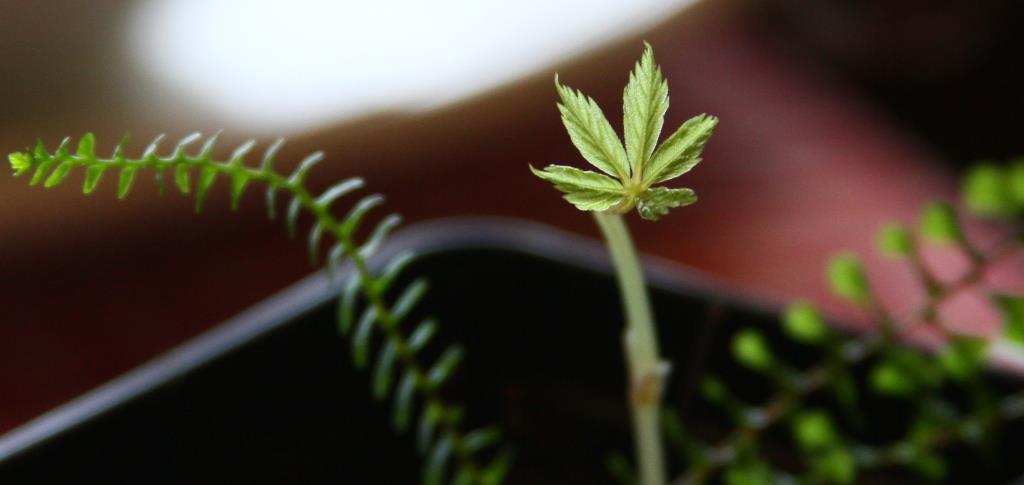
(847, 280)
(750, 472)
(836, 465)
(58, 175)
(963, 357)
(412, 295)
(425, 430)
(889, 379)
(422, 335)
(382, 374)
(894, 240)
(712, 389)
(181, 178)
(813, 430)
(41, 170)
(347, 304)
(479, 439)
(681, 151)
(588, 191)
(803, 323)
(985, 191)
(299, 175)
(350, 224)
(92, 178)
(444, 367)
(361, 338)
(939, 223)
(239, 179)
(590, 131)
(1011, 307)
(206, 178)
(21, 162)
(339, 190)
(403, 401)
(124, 183)
(750, 349)
(377, 236)
(433, 472)
(87, 147)
(645, 102)
(656, 202)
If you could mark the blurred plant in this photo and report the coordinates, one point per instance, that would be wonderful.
(949, 400)
(630, 174)
(370, 304)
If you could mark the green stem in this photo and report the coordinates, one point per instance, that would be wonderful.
(640, 341)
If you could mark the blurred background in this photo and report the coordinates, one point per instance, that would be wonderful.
(837, 116)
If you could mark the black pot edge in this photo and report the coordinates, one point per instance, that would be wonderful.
(425, 238)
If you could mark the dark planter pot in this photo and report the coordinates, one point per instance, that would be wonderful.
(272, 397)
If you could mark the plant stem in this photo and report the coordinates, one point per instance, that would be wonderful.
(640, 342)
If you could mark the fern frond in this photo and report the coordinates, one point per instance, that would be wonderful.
(441, 438)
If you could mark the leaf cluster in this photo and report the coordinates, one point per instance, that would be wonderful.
(372, 311)
(946, 391)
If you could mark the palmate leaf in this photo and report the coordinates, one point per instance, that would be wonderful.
(681, 151)
(630, 172)
(590, 131)
(644, 103)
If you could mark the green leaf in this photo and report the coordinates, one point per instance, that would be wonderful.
(847, 280)
(894, 240)
(41, 169)
(403, 401)
(124, 183)
(657, 201)
(750, 472)
(939, 223)
(837, 465)
(383, 371)
(58, 175)
(813, 430)
(481, 438)
(590, 131)
(750, 349)
(206, 178)
(444, 367)
(681, 151)
(92, 178)
(1012, 309)
(87, 147)
(422, 335)
(889, 379)
(181, 178)
(985, 191)
(428, 423)
(436, 463)
(644, 103)
(21, 162)
(803, 323)
(963, 357)
(588, 191)
(361, 338)
(239, 180)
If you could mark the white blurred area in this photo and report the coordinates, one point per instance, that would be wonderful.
(286, 66)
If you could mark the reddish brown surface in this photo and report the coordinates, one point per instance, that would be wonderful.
(799, 167)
